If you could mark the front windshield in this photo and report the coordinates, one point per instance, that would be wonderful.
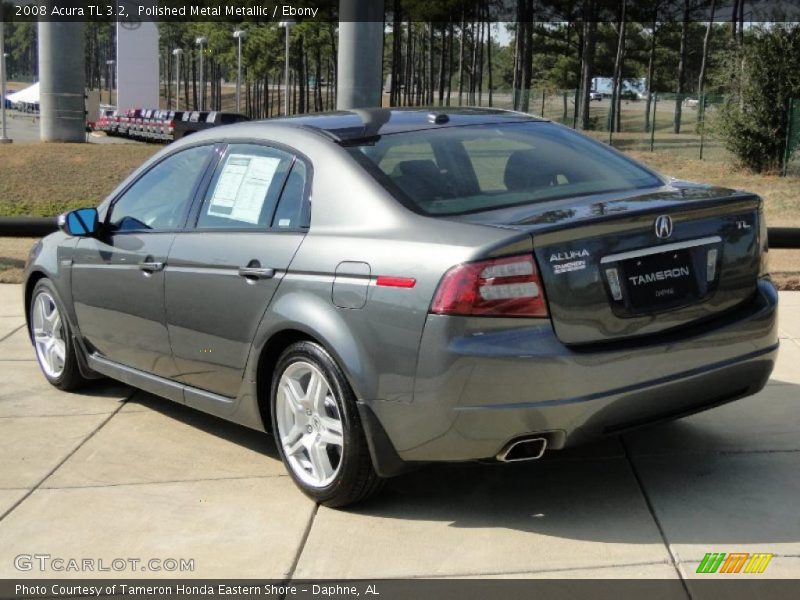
(457, 170)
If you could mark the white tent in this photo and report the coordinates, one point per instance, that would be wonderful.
(30, 95)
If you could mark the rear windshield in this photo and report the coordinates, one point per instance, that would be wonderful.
(457, 170)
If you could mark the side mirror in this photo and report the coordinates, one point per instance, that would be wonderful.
(81, 223)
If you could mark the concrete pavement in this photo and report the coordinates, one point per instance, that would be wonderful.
(117, 473)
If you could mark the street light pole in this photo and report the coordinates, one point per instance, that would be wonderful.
(201, 41)
(288, 26)
(4, 139)
(177, 54)
(112, 80)
(239, 35)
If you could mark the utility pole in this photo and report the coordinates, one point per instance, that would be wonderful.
(201, 41)
(112, 80)
(4, 139)
(62, 81)
(239, 35)
(360, 61)
(177, 54)
(288, 26)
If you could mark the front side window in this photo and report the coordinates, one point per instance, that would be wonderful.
(245, 188)
(160, 199)
(459, 170)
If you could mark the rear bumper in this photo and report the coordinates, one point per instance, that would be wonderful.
(483, 382)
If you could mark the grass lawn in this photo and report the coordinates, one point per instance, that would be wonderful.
(47, 179)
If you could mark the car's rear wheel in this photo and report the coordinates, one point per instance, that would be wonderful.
(317, 428)
(50, 333)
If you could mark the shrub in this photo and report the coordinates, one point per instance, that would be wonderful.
(765, 76)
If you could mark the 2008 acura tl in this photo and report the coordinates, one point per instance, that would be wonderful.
(386, 288)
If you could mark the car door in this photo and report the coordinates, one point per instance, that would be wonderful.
(118, 275)
(222, 274)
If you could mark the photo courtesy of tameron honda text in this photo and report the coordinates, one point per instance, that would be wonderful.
(381, 288)
(67, 590)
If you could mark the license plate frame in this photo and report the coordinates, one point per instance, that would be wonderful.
(660, 280)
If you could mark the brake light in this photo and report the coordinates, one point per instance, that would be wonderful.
(503, 287)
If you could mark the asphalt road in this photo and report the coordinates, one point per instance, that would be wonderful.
(114, 472)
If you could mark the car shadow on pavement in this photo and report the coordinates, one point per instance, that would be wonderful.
(245, 437)
(701, 486)
(723, 476)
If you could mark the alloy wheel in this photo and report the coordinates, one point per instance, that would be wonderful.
(309, 424)
(48, 335)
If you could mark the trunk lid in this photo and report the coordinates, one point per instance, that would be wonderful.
(617, 267)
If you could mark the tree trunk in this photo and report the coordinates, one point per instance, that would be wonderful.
(442, 56)
(318, 75)
(587, 72)
(408, 66)
(461, 60)
(301, 76)
(480, 61)
(703, 62)
(741, 23)
(681, 68)
(450, 63)
(431, 63)
(616, 89)
(473, 74)
(194, 81)
(651, 65)
(397, 40)
(489, 59)
(523, 55)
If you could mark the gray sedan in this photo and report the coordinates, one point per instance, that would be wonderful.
(387, 288)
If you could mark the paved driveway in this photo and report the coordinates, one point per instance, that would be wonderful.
(116, 473)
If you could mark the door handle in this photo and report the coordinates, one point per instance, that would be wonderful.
(253, 273)
(150, 266)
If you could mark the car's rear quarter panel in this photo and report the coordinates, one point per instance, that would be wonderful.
(356, 222)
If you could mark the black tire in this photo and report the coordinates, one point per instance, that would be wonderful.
(356, 479)
(70, 377)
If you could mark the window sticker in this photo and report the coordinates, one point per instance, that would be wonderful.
(242, 186)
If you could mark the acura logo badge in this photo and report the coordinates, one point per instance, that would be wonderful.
(663, 227)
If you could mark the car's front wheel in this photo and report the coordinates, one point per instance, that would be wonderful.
(317, 428)
(50, 333)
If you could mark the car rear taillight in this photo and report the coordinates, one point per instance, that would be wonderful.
(501, 287)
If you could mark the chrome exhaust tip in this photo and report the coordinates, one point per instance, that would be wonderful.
(523, 449)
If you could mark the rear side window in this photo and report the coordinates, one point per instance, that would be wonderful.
(461, 170)
(245, 188)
